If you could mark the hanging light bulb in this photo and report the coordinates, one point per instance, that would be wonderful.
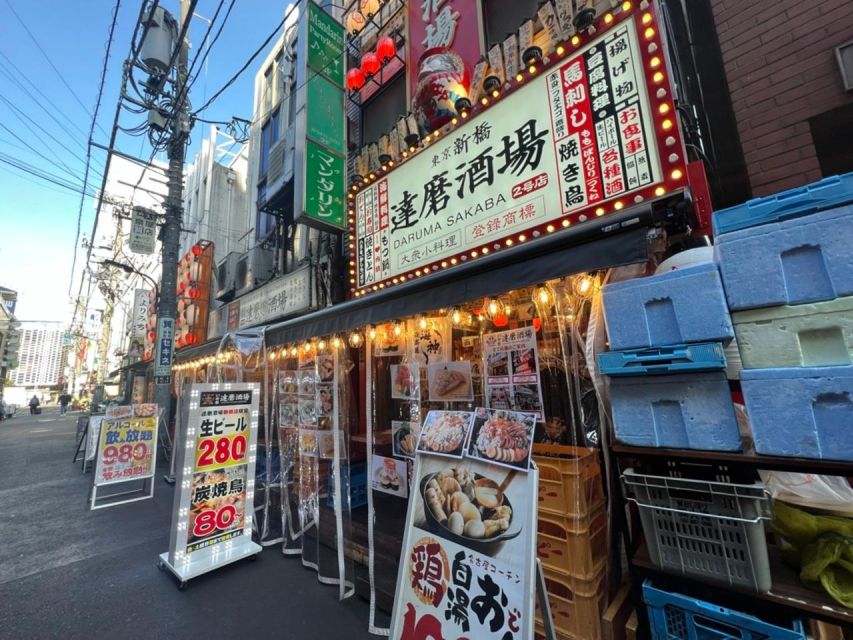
(398, 329)
(371, 333)
(422, 323)
(307, 347)
(456, 316)
(336, 342)
(492, 307)
(584, 285)
(321, 345)
(294, 351)
(355, 339)
(542, 295)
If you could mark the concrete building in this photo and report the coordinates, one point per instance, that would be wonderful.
(40, 357)
(215, 197)
(9, 334)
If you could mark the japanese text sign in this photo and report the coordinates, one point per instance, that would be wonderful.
(143, 231)
(214, 504)
(575, 142)
(320, 167)
(165, 347)
(455, 24)
(140, 313)
(461, 575)
(126, 449)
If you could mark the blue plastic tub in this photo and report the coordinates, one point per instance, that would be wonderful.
(791, 262)
(802, 412)
(676, 307)
(684, 411)
(828, 193)
(681, 358)
(354, 478)
(673, 616)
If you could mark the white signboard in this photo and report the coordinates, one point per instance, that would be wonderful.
(140, 313)
(213, 507)
(574, 138)
(143, 230)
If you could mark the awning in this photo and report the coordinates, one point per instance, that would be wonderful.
(197, 351)
(616, 240)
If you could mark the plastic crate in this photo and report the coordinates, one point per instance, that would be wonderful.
(788, 262)
(354, 479)
(574, 546)
(569, 485)
(676, 307)
(682, 358)
(576, 605)
(685, 411)
(828, 193)
(673, 616)
(806, 413)
(707, 529)
(818, 334)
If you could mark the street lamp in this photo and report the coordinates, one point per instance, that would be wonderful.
(129, 269)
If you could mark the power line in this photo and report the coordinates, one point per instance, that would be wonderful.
(89, 146)
(49, 61)
(37, 172)
(63, 166)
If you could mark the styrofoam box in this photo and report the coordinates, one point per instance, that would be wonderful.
(806, 413)
(687, 411)
(817, 334)
(685, 305)
(796, 261)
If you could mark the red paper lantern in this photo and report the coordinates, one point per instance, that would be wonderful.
(537, 324)
(500, 320)
(369, 63)
(179, 342)
(193, 293)
(386, 49)
(355, 79)
(196, 250)
(190, 338)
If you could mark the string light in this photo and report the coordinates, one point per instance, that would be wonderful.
(583, 286)
(355, 339)
(456, 316)
(422, 323)
(398, 329)
(542, 295)
(371, 333)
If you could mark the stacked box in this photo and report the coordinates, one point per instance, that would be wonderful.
(787, 268)
(671, 330)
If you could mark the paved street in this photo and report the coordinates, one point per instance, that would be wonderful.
(66, 572)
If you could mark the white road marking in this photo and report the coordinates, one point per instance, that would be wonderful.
(39, 430)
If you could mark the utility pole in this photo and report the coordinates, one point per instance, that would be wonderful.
(171, 230)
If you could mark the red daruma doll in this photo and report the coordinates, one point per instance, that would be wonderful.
(442, 80)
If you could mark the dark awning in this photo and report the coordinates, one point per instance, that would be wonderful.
(208, 348)
(616, 240)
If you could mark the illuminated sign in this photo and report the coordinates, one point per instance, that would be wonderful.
(591, 134)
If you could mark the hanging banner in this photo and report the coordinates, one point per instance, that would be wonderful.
(512, 370)
(213, 507)
(127, 445)
(455, 24)
(140, 314)
(320, 165)
(591, 135)
(164, 350)
(467, 564)
(143, 231)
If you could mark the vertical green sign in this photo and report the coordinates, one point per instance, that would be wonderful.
(325, 44)
(325, 115)
(324, 193)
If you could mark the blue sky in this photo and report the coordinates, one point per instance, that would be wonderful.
(38, 220)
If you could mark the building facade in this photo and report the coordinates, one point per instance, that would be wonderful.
(40, 357)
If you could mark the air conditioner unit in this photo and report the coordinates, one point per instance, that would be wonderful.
(254, 269)
(226, 277)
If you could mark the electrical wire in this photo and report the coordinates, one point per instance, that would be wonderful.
(89, 147)
(47, 57)
(32, 149)
(37, 172)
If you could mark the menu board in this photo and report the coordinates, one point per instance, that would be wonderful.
(467, 563)
(512, 371)
(127, 444)
(213, 505)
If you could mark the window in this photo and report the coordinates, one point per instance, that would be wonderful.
(504, 18)
(269, 136)
(832, 132)
(278, 89)
(382, 111)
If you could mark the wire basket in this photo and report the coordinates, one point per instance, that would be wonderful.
(710, 530)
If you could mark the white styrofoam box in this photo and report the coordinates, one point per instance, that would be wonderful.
(685, 411)
(816, 334)
(801, 260)
(677, 307)
(804, 412)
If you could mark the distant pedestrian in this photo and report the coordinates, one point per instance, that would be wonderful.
(64, 399)
(34, 404)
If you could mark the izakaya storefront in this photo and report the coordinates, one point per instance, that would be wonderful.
(403, 420)
(469, 340)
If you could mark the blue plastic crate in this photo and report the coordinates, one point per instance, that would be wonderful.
(789, 262)
(828, 193)
(676, 307)
(683, 411)
(673, 616)
(682, 358)
(802, 412)
(354, 478)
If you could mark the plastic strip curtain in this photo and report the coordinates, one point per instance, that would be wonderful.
(314, 405)
(242, 357)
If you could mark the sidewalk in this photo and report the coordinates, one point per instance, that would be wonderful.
(66, 572)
